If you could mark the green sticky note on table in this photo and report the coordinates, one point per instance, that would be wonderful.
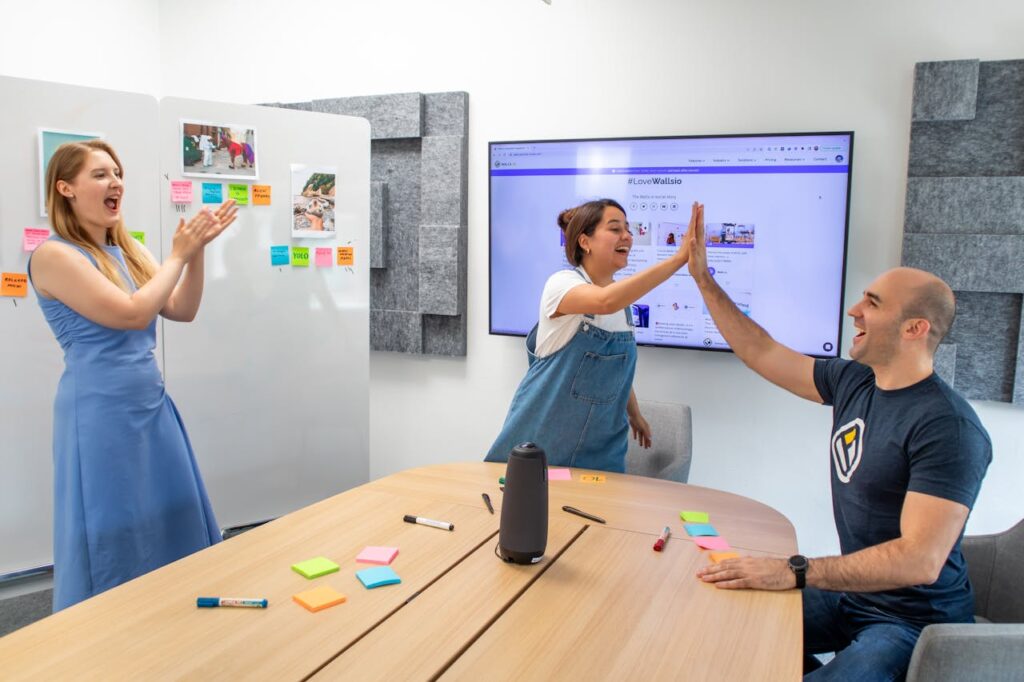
(694, 516)
(300, 256)
(314, 568)
(140, 237)
(240, 193)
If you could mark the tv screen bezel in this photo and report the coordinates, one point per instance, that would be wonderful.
(846, 228)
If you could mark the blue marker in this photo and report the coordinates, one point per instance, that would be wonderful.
(231, 601)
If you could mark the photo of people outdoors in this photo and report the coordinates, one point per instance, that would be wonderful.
(224, 151)
(730, 234)
(313, 201)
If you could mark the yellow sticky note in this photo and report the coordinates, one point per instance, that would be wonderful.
(14, 284)
(592, 478)
(346, 255)
(319, 598)
(717, 557)
(240, 193)
(694, 516)
(261, 195)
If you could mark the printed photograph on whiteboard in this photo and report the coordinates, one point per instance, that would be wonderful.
(49, 140)
(313, 201)
(223, 150)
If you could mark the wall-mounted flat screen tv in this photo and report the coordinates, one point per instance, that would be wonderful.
(776, 214)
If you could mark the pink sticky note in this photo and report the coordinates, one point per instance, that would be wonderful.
(711, 543)
(377, 555)
(559, 474)
(33, 237)
(324, 257)
(181, 191)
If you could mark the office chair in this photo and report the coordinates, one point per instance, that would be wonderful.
(672, 443)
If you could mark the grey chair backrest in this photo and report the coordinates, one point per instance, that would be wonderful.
(953, 652)
(995, 564)
(671, 443)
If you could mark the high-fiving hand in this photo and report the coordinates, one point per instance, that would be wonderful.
(695, 242)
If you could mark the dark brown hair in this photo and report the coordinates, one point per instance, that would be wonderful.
(583, 219)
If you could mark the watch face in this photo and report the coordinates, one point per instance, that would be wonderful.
(798, 562)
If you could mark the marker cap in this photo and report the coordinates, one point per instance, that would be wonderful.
(208, 601)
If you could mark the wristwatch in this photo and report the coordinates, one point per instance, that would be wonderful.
(798, 564)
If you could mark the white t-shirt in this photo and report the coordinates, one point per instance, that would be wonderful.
(554, 333)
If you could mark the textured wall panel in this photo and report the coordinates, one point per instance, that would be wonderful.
(945, 91)
(443, 168)
(446, 113)
(966, 205)
(976, 262)
(440, 283)
(945, 363)
(397, 330)
(986, 335)
(444, 334)
(390, 116)
(990, 144)
(378, 224)
(397, 163)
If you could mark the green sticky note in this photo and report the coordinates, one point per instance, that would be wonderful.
(300, 256)
(314, 568)
(140, 237)
(694, 516)
(240, 193)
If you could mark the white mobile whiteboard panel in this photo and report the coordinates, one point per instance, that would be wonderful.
(272, 377)
(31, 361)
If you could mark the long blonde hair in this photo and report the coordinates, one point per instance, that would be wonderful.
(65, 164)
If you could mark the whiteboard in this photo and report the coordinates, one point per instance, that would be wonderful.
(273, 429)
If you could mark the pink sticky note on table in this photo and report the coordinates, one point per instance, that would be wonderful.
(377, 555)
(559, 474)
(711, 543)
(181, 191)
(33, 237)
(324, 257)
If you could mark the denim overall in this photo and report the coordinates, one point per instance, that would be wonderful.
(572, 403)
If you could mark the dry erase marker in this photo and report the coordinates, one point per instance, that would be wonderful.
(207, 602)
(487, 501)
(577, 512)
(660, 542)
(443, 525)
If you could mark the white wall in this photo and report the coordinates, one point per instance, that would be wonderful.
(581, 68)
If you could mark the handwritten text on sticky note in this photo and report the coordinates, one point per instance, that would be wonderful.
(213, 193)
(279, 255)
(261, 195)
(33, 237)
(181, 191)
(346, 255)
(300, 256)
(323, 257)
(240, 193)
(14, 284)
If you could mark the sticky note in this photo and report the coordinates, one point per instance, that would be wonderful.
(300, 256)
(711, 543)
(323, 257)
(261, 195)
(33, 237)
(378, 577)
(559, 474)
(319, 598)
(181, 191)
(213, 193)
(13, 284)
(140, 237)
(240, 193)
(695, 529)
(346, 255)
(377, 555)
(314, 568)
(279, 255)
(694, 516)
(592, 478)
(718, 557)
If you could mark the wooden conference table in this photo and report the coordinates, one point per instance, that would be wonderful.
(602, 604)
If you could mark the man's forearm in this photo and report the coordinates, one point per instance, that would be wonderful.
(888, 566)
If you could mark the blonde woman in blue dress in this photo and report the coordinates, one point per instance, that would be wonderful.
(128, 496)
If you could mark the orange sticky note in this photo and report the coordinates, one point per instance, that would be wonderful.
(261, 195)
(319, 598)
(14, 284)
(717, 557)
(592, 478)
(346, 255)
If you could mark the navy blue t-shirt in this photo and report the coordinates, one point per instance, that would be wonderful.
(923, 438)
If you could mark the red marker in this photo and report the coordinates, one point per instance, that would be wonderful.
(660, 544)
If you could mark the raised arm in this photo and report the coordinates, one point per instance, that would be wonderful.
(590, 299)
(755, 347)
(183, 303)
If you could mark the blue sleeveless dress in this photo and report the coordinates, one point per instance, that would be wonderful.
(128, 496)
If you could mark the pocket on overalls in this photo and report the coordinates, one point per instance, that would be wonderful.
(599, 377)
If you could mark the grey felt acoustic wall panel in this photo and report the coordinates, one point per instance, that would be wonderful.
(965, 216)
(418, 224)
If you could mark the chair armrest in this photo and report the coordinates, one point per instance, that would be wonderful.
(968, 652)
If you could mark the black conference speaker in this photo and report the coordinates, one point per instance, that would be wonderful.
(524, 507)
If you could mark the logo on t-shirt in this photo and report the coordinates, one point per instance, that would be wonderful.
(847, 448)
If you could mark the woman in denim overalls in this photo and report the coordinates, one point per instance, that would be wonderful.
(576, 400)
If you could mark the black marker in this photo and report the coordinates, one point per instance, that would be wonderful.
(577, 512)
(487, 501)
(443, 525)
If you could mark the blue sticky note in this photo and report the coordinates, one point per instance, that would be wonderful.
(377, 577)
(213, 193)
(279, 255)
(697, 529)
